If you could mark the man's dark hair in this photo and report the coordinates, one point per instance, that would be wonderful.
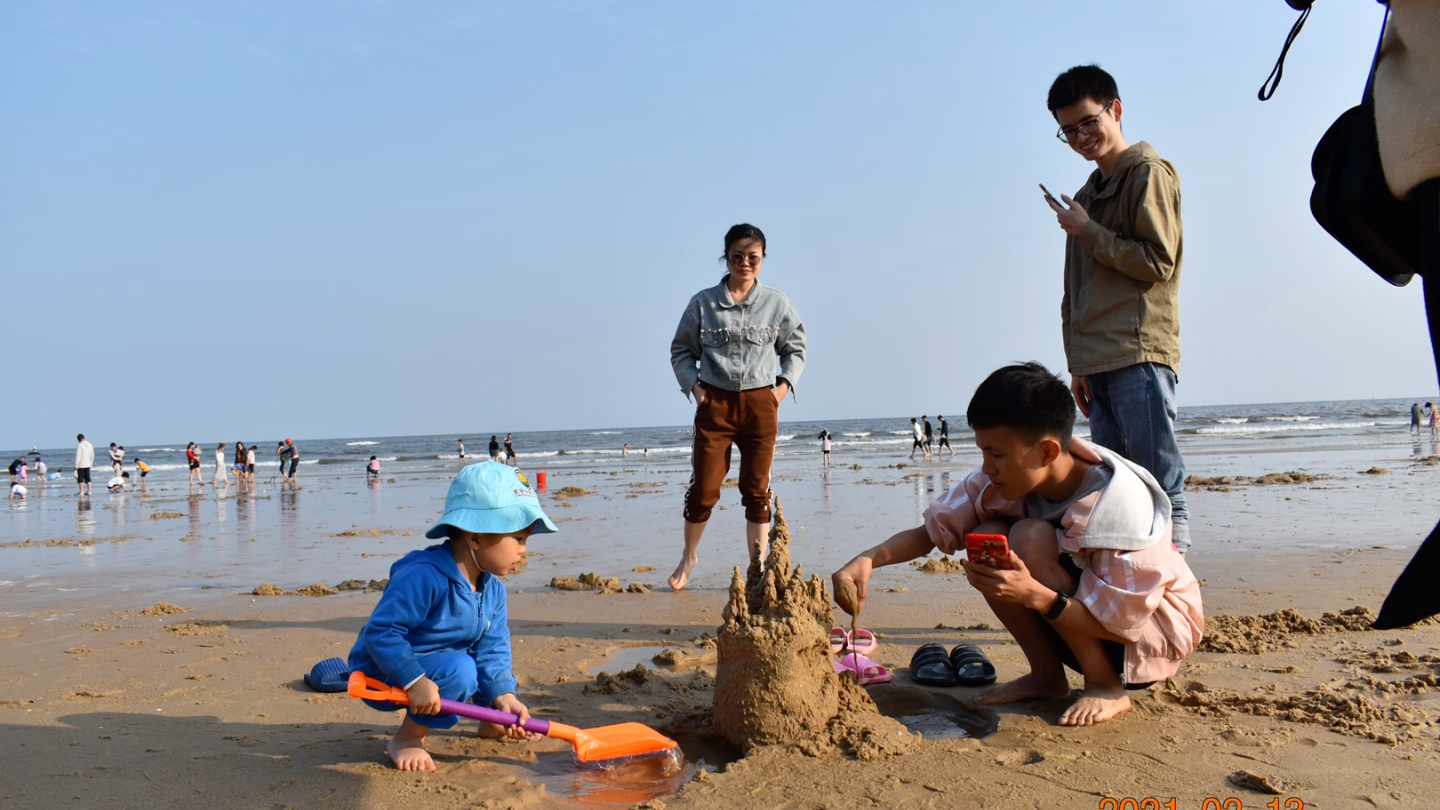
(1028, 399)
(1079, 83)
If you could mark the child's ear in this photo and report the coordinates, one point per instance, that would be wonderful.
(1049, 450)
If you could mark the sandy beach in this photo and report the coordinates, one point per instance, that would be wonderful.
(140, 669)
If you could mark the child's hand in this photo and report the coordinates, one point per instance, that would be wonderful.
(856, 574)
(509, 703)
(424, 696)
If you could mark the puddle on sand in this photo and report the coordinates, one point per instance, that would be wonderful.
(626, 658)
(935, 715)
(622, 782)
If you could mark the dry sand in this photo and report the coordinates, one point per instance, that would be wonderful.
(153, 697)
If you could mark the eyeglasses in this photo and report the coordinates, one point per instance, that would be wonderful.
(741, 259)
(1089, 126)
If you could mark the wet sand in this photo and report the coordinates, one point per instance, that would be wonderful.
(100, 703)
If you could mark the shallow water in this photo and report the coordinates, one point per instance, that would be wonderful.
(934, 714)
(612, 783)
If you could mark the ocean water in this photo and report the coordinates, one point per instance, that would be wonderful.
(1229, 429)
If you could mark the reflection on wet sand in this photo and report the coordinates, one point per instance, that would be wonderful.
(84, 518)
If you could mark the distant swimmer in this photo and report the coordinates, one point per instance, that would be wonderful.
(461, 442)
(824, 438)
(509, 449)
(624, 450)
(1416, 414)
(494, 448)
(945, 437)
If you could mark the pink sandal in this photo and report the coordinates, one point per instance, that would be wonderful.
(842, 641)
(862, 669)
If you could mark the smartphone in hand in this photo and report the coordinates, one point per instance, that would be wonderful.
(1053, 198)
(988, 549)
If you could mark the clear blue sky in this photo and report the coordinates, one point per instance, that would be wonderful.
(345, 219)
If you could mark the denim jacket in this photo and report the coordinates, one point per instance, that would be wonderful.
(738, 346)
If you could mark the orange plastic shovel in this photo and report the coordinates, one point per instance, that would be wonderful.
(605, 742)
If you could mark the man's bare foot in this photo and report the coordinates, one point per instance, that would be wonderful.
(1026, 687)
(407, 750)
(1096, 705)
(682, 572)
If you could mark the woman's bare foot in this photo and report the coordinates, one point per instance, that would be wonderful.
(407, 748)
(1096, 705)
(682, 572)
(1026, 687)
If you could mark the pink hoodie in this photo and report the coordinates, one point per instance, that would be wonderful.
(1133, 580)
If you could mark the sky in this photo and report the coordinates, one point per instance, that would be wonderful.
(348, 219)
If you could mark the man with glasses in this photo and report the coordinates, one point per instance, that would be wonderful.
(1120, 315)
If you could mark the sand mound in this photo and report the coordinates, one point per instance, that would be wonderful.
(266, 589)
(1385, 711)
(775, 684)
(586, 582)
(569, 492)
(165, 515)
(1274, 631)
(163, 609)
(363, 585)
(1222, 483)
(940, 565)
(315, 590)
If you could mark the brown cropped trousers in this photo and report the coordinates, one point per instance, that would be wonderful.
(749, 419)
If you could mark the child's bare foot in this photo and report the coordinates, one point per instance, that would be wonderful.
(490, 731)
(1026, 687)
(682, 572)
(1096, 705)
(407, 748)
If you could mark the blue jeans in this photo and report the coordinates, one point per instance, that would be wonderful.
(453, 672)
(1133, 412)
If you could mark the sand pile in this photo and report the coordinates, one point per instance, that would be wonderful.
(163, 609)
(939, 565)
(1275, 631)
(774, 684)
(1386, 711)
(1222, 483)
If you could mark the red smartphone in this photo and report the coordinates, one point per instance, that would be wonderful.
(988, 549)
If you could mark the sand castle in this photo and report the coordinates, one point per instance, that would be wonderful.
(775, 684)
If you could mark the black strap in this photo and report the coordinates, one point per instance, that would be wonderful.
(1273, 81)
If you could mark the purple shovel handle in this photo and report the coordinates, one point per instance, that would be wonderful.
(493, 715)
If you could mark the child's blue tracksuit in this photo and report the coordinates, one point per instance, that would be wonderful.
(429, 622)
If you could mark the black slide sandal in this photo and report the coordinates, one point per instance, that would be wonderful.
(930, 666)
(972, 668)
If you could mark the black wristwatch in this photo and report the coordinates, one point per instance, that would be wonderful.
(1058, 607)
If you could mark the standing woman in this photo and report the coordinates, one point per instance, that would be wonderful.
(739, 349)
(220, 478)
(192, 460)
(239, 467)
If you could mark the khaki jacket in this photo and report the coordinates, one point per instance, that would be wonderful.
(1122, 272)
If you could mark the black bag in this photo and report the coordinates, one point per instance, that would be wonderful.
(1351, 200)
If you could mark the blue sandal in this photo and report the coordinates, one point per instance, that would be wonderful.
(330, 675)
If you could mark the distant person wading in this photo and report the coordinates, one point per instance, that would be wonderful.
(739, 349)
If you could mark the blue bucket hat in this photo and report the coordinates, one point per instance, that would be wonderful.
(491, 498)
